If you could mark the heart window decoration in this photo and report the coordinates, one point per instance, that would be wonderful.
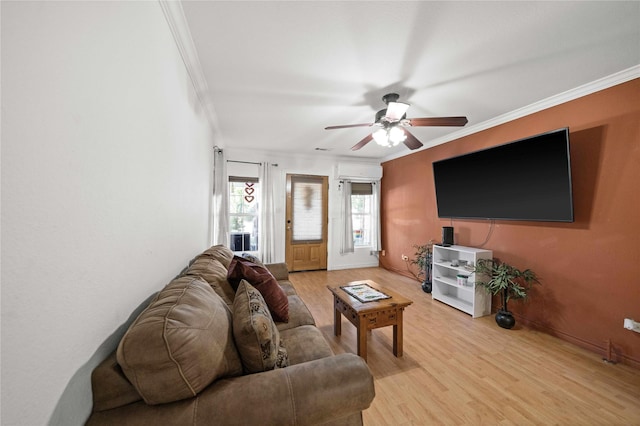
(249, 190)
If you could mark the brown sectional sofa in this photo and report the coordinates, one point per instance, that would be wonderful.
(189, 357)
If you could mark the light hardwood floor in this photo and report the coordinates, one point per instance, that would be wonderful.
(458, 370)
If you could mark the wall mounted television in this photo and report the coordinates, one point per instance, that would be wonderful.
(528, 179)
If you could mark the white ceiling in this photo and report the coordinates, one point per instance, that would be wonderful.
(278, 72)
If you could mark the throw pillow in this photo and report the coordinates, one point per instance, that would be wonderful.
(180, 343)
(256, 335)
(260, 278)
(253, 259)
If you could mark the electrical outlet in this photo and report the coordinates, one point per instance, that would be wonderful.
(632, 325)
(384, 252)
(405, 257)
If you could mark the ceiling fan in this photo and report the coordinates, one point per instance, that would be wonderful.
(392, 122)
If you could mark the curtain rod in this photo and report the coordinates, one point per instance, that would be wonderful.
(372, 182)
(243, 162)
(250, 162)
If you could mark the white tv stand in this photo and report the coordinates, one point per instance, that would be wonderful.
(469, 298)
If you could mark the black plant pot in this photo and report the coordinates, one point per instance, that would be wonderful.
(427, 285)
(505, 319)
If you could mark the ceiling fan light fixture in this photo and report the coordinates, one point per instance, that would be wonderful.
(381, 137)
(389, 137)
(396, 135)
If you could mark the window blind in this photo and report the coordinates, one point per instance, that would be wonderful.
(243, 179)
(361, 188)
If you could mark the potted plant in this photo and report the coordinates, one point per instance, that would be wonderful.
(423, 260)
(507, 281)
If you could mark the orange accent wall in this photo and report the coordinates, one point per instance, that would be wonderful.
(589, 269)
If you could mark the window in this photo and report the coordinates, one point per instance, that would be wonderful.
(244, 199)
(361, 214)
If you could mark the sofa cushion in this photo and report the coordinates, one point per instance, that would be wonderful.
(260, 278)
(219, 252)
(213, 272)
(305, 343)
(180, 343)
(288, 288)
(299, 314)
(256, 335)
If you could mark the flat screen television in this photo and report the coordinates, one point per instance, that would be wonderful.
(528, 179)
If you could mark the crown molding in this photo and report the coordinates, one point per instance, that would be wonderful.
(174, 14)
(572, 94)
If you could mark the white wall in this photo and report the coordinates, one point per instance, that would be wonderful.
(312, 165)
(106, 176)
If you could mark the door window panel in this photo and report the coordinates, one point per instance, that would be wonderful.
(307, 208)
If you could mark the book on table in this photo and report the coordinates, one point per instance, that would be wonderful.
(364, 292)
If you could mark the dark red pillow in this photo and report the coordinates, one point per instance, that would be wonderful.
(260, 277)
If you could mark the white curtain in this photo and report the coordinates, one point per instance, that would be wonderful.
(346, 245)
(266, 239)
(220, 200)
(375, 213)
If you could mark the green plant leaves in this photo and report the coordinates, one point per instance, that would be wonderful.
(504, 279)
(422, 258)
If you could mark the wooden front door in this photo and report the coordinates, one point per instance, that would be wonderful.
(306, 227)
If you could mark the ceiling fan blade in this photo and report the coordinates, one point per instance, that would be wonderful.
(345, 126)
(396, 110)
(439, 121)
(411, 142)
(362, 143)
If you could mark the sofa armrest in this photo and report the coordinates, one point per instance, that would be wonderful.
(313, 392)
(110, 387)
(278, 270)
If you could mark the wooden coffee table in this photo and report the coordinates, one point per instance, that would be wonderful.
(369, 315)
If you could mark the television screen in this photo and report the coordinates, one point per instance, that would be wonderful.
(528, 179)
